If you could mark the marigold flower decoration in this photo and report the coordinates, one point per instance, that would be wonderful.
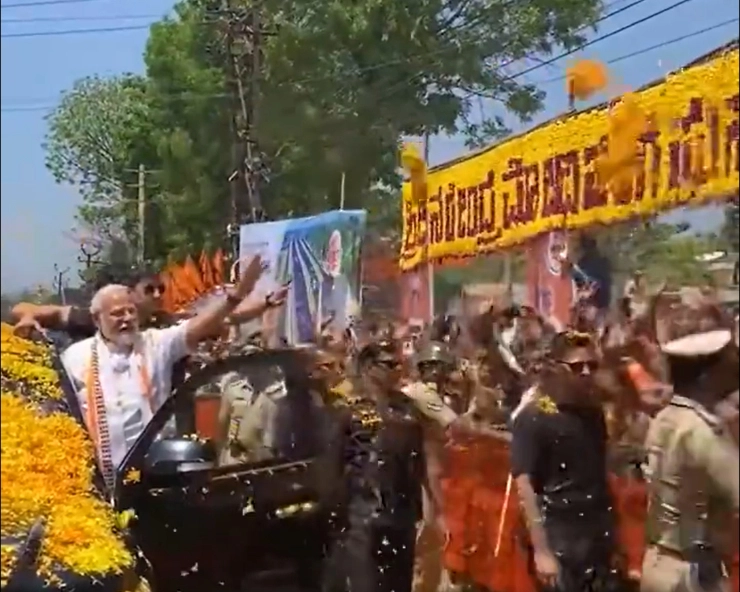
(627, 123)
(546, 404)
(46, 471)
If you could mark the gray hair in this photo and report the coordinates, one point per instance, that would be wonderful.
(96, 304)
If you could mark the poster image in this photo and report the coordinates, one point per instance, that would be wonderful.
(414, 292)
(549, 285)
(320, 257)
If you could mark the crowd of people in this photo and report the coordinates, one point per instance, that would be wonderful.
(651, 390)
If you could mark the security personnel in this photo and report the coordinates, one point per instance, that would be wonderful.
(692, 470)
(247, 414)
(382, 452)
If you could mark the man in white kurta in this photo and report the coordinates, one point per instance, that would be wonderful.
(130, 371)
(127, 409)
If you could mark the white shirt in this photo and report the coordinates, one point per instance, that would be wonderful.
(128, 410)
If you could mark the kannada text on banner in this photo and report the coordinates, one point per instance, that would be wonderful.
(546, 179)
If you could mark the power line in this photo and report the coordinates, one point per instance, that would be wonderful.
(67, 32)
(74, 31)
(404, 60)
(645, 50)
(63, 19)
(192, 95)
(600, 38)
(44, 3)
(368, 68)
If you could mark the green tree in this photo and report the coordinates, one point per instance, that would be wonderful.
(731, 227)
(97, 136)
(342, 83)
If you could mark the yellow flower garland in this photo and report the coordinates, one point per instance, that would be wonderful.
(46, 471)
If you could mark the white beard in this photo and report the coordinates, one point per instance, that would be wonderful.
(125, 339)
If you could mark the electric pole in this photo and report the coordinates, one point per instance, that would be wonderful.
(141, 250)
(244, 34)
(59, 283)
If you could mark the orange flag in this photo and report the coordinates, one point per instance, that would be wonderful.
(218, 267)
(191, 277)
(206, 271)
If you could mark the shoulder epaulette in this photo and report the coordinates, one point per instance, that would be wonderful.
(708, 417)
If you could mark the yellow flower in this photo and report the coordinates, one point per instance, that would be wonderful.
(123, 519)
(546, 404)
(28, 364)
(132, 476)
(46, 471)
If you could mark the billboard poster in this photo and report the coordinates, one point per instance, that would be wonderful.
(549, 285)
(320, 256)
(414, 292)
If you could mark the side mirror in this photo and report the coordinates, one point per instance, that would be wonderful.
(179, 455)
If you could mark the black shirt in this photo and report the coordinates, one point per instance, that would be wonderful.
(80, 324)
(564, 455)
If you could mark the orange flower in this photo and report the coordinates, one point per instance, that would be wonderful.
(627, 123)
(586, 77)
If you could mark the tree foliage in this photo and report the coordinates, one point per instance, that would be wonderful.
(341, 84)
(731, 228)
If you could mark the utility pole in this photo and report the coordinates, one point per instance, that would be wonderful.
(59, 283)
(430, 265)
(244, 34)
(141, 251)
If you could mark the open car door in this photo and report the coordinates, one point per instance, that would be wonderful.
(251, 527)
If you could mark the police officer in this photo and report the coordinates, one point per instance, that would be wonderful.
(692, 467)
(247, 413)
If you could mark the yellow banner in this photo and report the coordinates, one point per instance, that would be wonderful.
(545, 179)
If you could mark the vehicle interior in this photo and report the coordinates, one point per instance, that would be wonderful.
(250, 526)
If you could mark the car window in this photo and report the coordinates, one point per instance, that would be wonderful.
(265, 413)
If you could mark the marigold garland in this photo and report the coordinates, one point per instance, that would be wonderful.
(46, 471)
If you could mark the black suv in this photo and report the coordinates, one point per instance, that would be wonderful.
(198, 527)
(251, 527)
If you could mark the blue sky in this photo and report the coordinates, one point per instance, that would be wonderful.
(35, 70)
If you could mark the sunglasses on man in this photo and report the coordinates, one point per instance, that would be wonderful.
(152, 289)
(580, 367)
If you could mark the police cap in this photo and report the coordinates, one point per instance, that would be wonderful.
(435, 351)
(382, 350)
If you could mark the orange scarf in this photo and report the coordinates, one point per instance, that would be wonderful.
(96, 415)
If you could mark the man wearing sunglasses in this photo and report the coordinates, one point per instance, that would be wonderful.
(78, 322)
(381, 458)
(559, 464)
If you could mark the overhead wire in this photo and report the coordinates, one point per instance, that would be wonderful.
(63, 19)
(44, 3)
(74, 32)
(397, 87)
(601, 38)
(644, 50)
(367, 69)
(67, 32)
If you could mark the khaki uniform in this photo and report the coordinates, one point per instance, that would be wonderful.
(692, 474)
(247, 415)
(429, 403)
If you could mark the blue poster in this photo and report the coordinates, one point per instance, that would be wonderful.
(320, 256)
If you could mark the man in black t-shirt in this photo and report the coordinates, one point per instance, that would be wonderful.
(559, 463)
(77, 322)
